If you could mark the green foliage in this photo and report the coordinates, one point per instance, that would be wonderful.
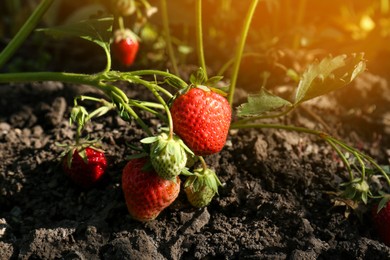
(98, 31)
(329, 74)
(260, 103)
(319, 79)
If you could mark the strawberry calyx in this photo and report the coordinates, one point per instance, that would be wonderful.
(356, 190)
(385, 198)
(123, 34)
(79, 146)
(201, 187)
(199, 80)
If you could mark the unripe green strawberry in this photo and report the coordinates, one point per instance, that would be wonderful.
(201, 187)
(168, 155)
(201, 117)
(146, 193)
(122, 7)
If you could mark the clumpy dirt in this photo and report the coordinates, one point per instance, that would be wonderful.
(274, 204)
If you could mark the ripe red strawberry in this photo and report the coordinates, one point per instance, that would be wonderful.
(85, 167)
(146, 193)
(201, 117)
(125, 46)
(381, 221)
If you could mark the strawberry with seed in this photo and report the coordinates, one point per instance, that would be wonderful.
(146, 193)
(381, 220)
(168, 155)
(201, 117)
(125, 46)
(85, 166)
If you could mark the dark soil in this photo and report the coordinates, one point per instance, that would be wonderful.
(274, 205)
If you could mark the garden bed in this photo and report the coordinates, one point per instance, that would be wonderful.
(276, 200)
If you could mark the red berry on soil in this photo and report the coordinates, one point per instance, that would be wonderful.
(85, 173)
(146, 193)
(202, 119)
(125, 47)
(381, 221)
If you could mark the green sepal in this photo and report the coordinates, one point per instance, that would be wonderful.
(203, 177)
(69, 157)
(383, 202)
(79, 115)
(80, 147)
(149, 140)
(186, 172)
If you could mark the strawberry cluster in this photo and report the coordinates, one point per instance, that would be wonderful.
(200, 120)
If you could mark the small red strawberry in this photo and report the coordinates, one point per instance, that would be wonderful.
(146, 193)
(201, 117)
(381, 221)
(125, 46)
(84, 166)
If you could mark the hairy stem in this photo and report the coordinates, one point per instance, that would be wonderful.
(240, 49)
(199, 36)
(24, 31)
(167, 33)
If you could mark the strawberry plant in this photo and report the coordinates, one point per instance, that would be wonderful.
(196, 114)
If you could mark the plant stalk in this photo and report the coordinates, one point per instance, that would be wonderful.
(164, 12)
(24, 31)
(199, 36)
(240, 49)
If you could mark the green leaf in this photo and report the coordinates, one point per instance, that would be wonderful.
(79, 115)
(149, 140)
(260, 103)
(98, 31)
(198, 78)
(211, 82)
(174, 82)
(329, 74)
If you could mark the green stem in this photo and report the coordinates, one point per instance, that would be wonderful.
(199, 36)
(240, 49)
(121, 24)
(203, 162)
(183, 84)
(320, 134)
(24, 31)
(283, 113)
(341, 155)
(50, 76)
(118, 99)
(146, 106)
(164, 12)
(366, 157)
(231, 61)
(153, 89)
(108, 59)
